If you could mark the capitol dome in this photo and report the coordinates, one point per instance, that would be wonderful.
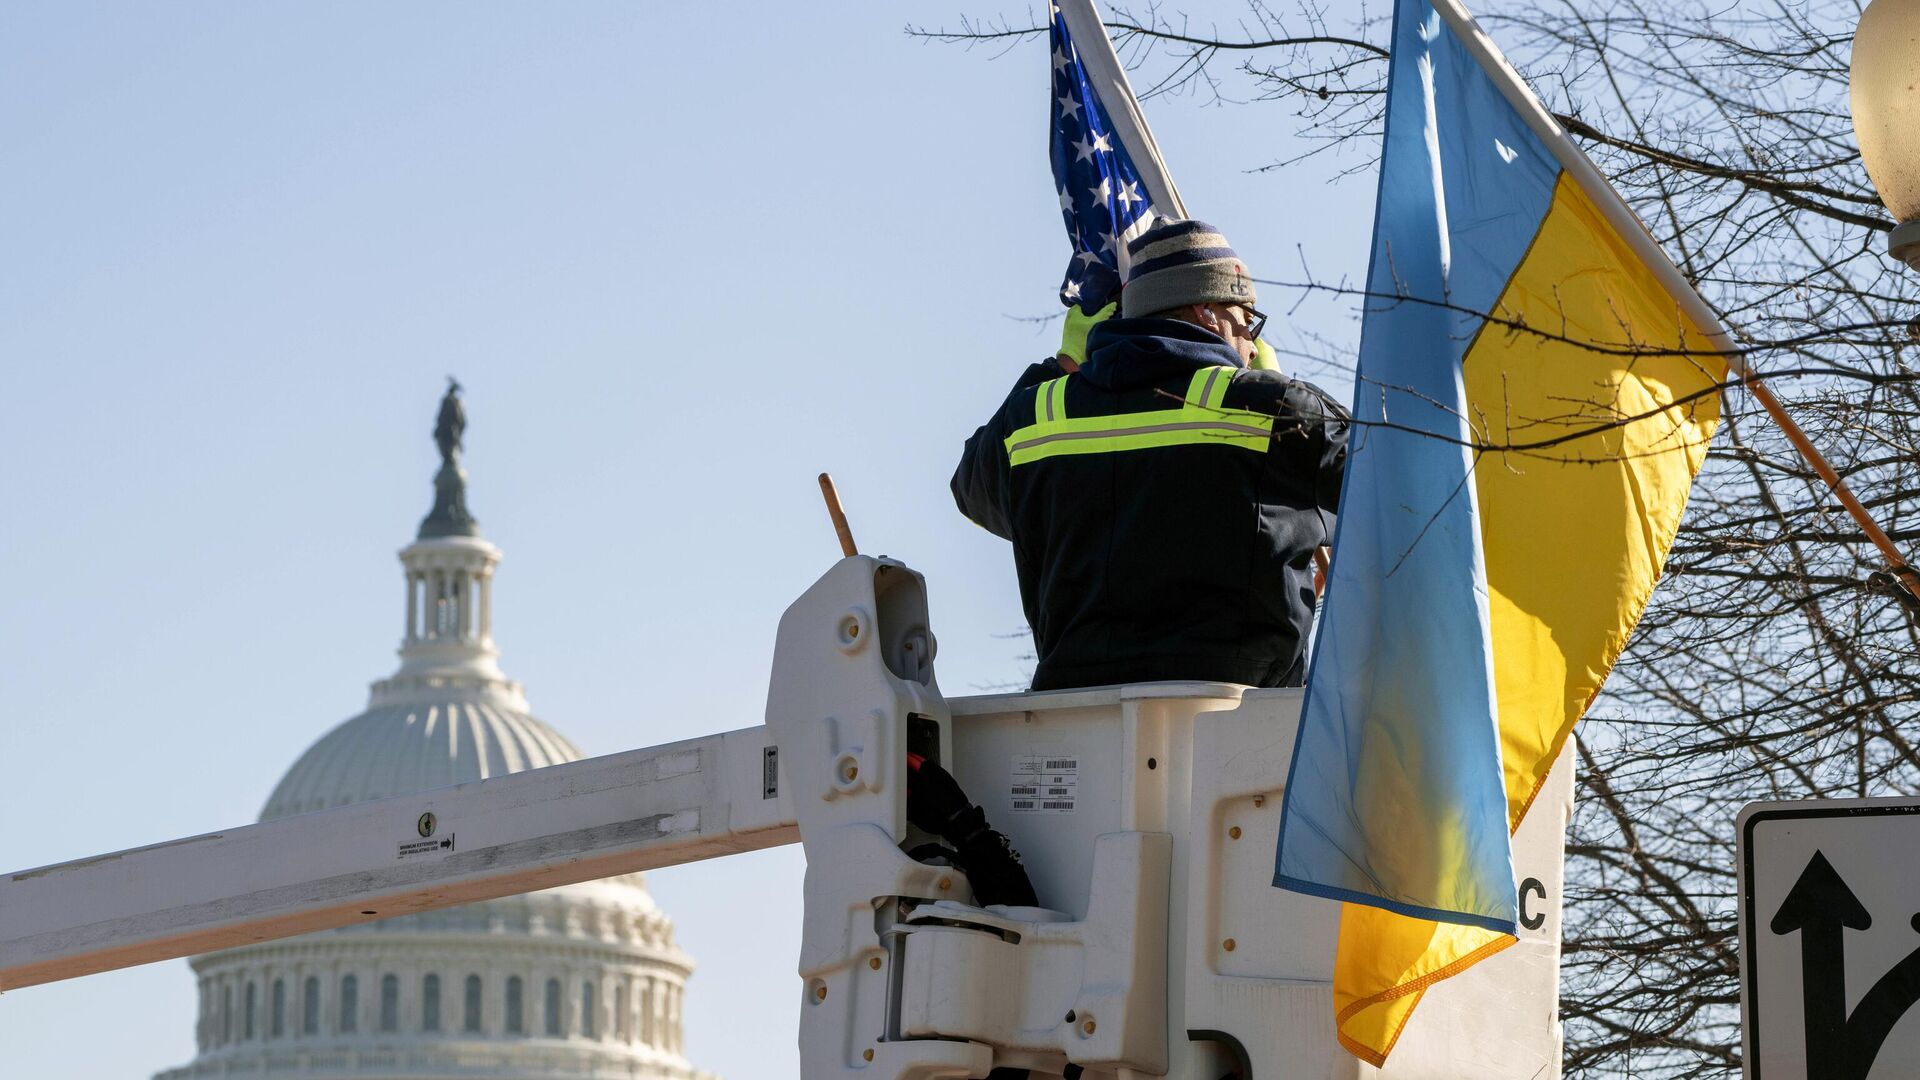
(582, 981)
(403, 747)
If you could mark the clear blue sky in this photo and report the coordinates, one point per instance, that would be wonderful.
(683, 258)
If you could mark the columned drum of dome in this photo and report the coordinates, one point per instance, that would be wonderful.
(579, 981)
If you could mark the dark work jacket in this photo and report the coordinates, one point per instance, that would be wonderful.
(1190, 561)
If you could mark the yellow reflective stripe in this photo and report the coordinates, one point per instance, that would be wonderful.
(1208, 387)
(1188, 426)
(1191, 434)
(1048, 402)
(1197, 386)
(1216, 395)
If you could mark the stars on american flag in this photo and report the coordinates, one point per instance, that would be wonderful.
(1094, 178)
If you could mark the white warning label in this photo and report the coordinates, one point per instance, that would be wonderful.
(1045, 783)
(436, 846)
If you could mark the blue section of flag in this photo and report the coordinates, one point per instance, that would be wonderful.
(1101, 197)
(1396, 797)
(1497, 175)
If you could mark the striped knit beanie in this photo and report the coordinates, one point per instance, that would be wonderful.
(1176, 263)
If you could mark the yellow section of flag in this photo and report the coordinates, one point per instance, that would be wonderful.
(1604, 391)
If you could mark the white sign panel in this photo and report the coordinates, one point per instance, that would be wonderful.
(1830, 939)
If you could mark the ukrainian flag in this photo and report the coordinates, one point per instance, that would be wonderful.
(1536, 391)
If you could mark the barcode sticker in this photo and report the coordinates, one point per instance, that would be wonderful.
(1044, 784)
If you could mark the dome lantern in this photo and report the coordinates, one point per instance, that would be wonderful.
(1884, 97)
(449, 575)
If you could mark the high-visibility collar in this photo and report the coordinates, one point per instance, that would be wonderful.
(1201, 419)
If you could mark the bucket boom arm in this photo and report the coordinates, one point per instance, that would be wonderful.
(1147, 816)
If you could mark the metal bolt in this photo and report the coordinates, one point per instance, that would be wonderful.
(1227, 945)
(1259, 800)
(852, 772)
(1087, 1027)
(1234, 833)
(874, 963)
(426, 824)
(867, 1053)
(946, 883)
(820, 992)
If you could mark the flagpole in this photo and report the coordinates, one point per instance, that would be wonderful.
(1123, 109)
(1902, 572)
(1634, 231)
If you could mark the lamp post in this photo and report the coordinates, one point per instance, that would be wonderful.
(1884, 96)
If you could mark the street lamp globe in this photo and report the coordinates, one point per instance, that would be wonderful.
(1884, 96)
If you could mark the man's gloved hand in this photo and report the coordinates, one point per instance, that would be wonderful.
(1095, 299)
(1073, 339)
(1264, 358)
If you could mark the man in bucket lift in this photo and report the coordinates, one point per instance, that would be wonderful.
(1164, 501)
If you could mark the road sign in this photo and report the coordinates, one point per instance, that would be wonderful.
(1830, 939)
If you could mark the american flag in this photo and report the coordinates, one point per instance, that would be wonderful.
(1102, 197)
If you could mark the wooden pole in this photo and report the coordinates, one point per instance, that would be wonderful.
(1899, 570)
(838, 515)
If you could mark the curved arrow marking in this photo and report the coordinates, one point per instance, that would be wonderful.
(1821, 908)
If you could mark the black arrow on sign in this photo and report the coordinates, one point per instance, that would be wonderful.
(1822, 908)
(1819, 906)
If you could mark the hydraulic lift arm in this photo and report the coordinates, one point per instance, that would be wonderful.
(590, 819)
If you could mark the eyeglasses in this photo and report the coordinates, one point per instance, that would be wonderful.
(1256, 321)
